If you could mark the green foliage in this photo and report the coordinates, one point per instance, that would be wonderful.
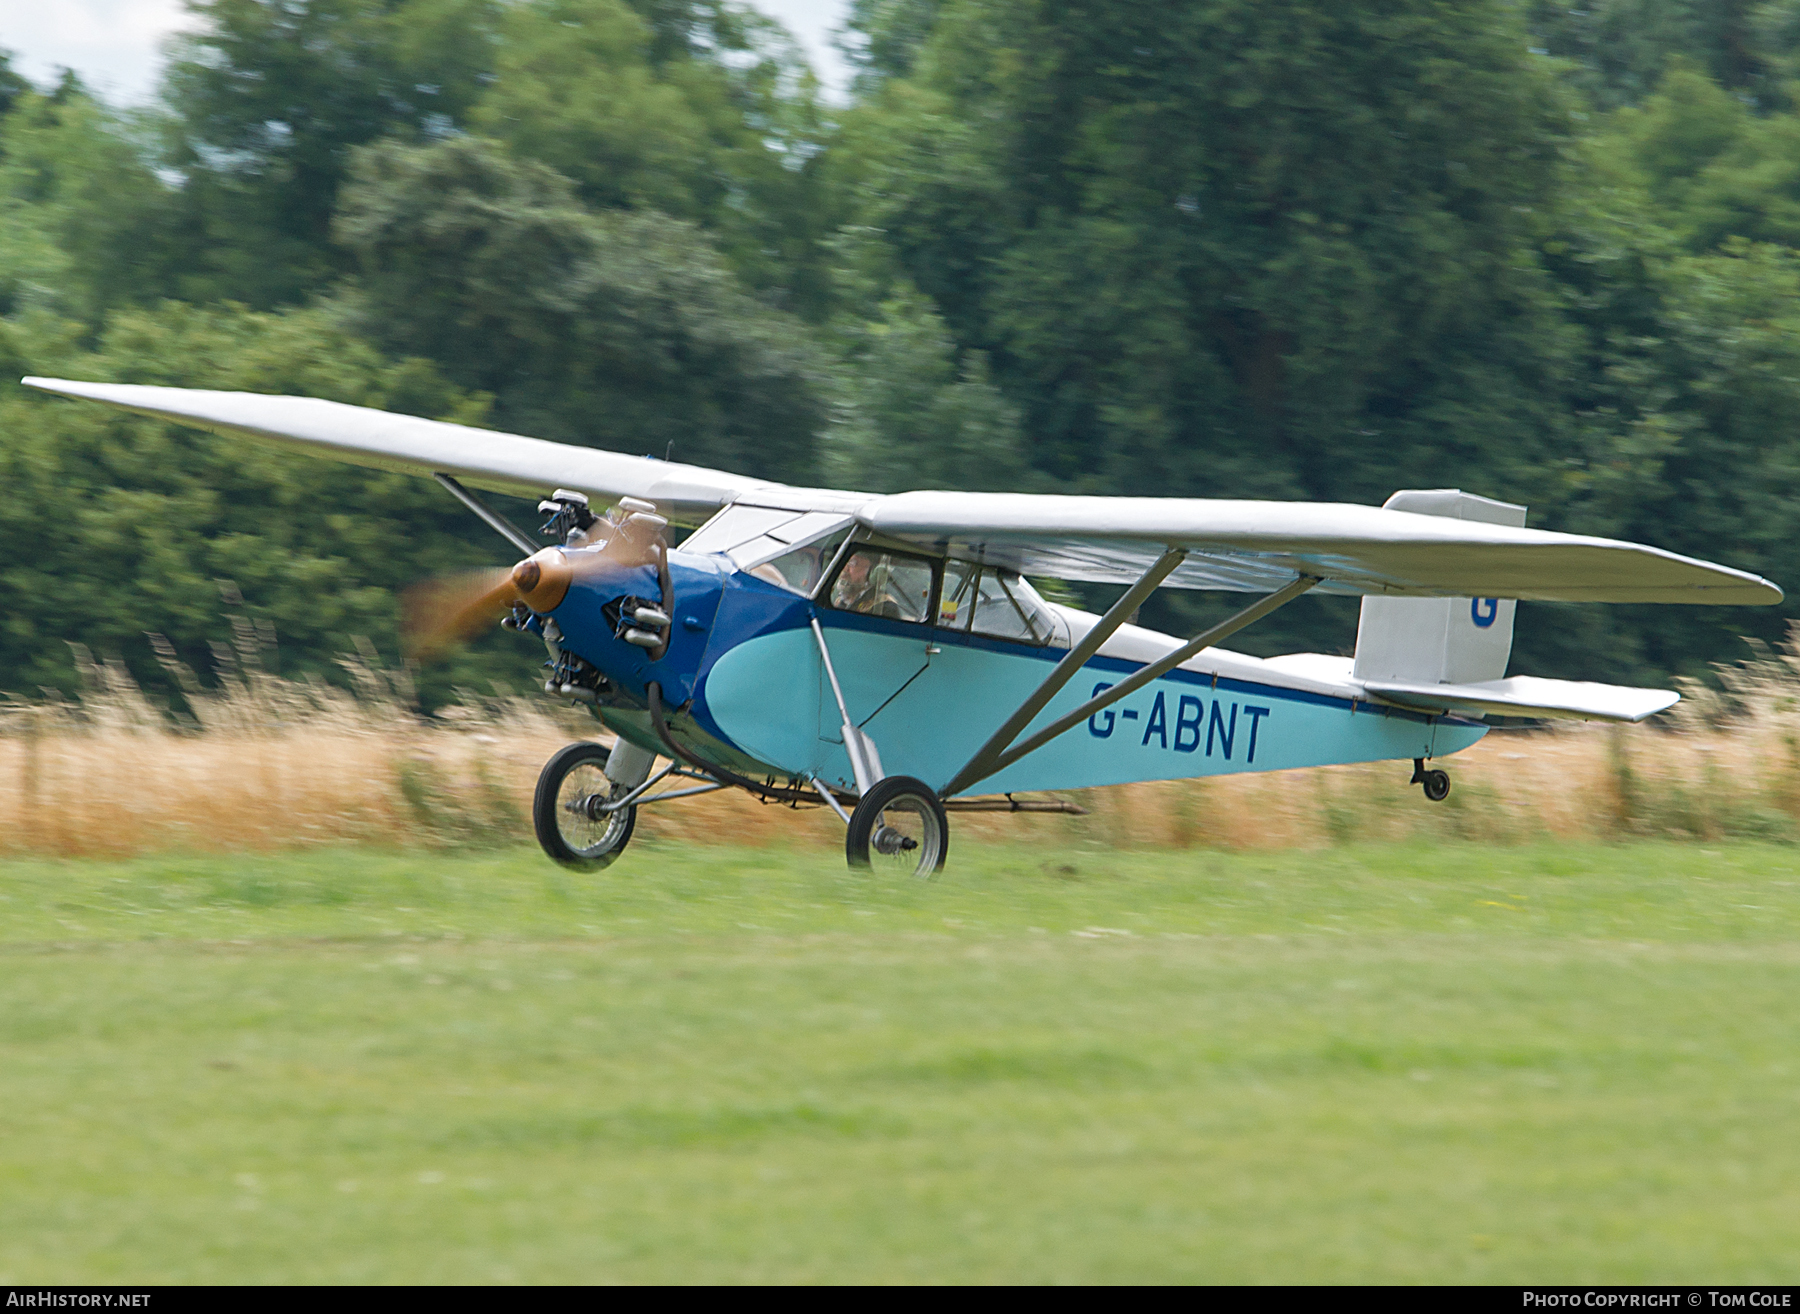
(576, 89)
(12, 85)
(1710, 168)
(619, 329)
(722, 134)
(1223, 247)
(1686, 399)
(1236, 249)
(915, 416)
(268, 98)
(1620, 49)
(85, 225)
(886, 37)
(114, 525)
(684, 106)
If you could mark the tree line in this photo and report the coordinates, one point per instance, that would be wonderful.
(1217, 248)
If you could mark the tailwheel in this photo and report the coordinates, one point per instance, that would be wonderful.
(899, 827)
(1435, 783)
(568, 810)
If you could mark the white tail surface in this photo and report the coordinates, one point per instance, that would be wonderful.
(1438, 640)
(1528, 696)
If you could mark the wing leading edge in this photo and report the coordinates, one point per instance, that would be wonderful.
(502, 462)
(1260, 546)
(1233, 545)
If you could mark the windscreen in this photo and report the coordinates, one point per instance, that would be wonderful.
(801, 569)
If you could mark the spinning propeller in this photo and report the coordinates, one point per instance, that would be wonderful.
(451, 609)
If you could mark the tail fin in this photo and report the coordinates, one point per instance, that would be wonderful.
(1439, 640)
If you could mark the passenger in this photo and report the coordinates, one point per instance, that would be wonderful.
(856, 590)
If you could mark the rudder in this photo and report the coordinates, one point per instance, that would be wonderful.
(1439, 640)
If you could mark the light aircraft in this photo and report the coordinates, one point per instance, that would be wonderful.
(887, 658)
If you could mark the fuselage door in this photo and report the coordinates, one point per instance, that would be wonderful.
(995, 640)
(876, 614)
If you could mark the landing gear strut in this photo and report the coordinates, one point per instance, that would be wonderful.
(1436, 783)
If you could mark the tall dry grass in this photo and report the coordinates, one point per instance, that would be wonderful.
(262, 762)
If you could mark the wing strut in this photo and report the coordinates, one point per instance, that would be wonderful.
(996, 756)
(494, 520)
(987, 759)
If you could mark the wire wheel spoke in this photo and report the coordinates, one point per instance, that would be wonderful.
(906, 839)
(565, 809)
(586, 831)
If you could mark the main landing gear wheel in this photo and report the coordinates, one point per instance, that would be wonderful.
(899, 828)
(566, 810)
(1436, 783)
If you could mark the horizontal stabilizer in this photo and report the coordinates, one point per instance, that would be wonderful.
(1528, 696)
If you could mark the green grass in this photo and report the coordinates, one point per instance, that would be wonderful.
(1383, 1064)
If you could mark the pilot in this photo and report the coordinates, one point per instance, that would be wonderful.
(856, 590)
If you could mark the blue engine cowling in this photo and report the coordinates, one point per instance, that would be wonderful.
(712, 607)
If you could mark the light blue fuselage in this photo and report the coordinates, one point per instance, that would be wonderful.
(743, 666)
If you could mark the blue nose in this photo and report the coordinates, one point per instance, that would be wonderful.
(641, 622)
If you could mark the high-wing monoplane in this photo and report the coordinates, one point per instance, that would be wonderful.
(887, 657)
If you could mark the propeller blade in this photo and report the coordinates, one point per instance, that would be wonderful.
(452, 609)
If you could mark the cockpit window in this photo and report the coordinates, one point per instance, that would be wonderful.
(872, 582)
(996, 603)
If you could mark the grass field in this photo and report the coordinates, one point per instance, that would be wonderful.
(1403, 1063)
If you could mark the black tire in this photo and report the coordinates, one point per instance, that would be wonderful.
(568, 834)
(899, 827)
(1437, 785)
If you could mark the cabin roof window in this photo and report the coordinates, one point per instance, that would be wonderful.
(756, 535)
(783, 538)
(735, 525)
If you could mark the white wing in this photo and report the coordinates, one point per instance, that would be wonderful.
(1239, 546)
(360, 435)
(1260, 546)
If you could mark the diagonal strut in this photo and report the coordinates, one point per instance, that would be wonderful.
(985, 764)
(493, 519)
